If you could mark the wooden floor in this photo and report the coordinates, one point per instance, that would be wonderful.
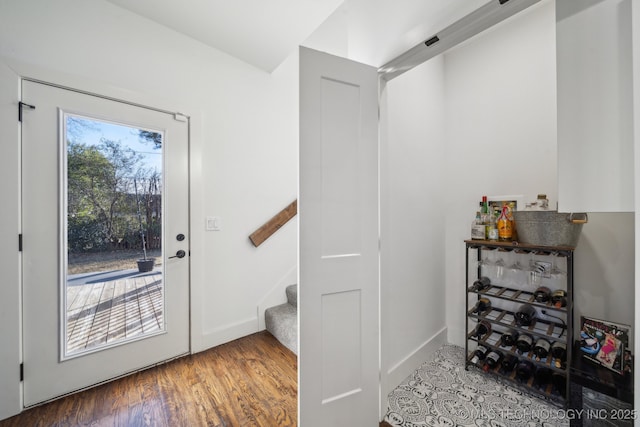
(103, 311)
(248, 382)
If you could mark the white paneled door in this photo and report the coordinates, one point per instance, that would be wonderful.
(339, 262)
(104, 184)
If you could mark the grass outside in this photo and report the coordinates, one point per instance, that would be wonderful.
(107, 261)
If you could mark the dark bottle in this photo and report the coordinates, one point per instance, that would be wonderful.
(481, 284)
(559, 382)
(559, 298)
(483, 328)
(479, 354)
(559, 353)
(483, 304)
(524, 370)
(492, 360)
(541, 348)
(542, 294)
(525, 315)
(508, 363)
(509, 338)
(542, 377)
(524, 343)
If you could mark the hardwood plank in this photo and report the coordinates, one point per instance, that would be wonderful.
(247, 382)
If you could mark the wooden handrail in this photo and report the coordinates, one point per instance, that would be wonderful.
(274, 224)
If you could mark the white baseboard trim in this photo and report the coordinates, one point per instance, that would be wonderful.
(455, 336)
(401, 370)
(276, 295)
(226, 333)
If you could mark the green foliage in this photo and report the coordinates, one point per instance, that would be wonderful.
(102, 201)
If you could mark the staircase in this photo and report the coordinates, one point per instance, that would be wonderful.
(282, 320)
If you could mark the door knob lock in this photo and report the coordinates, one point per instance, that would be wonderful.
(179, 254)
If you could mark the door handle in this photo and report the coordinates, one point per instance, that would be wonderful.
(179, 254)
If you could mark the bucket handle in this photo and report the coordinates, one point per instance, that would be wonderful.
(573, 220)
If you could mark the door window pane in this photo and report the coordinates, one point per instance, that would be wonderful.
(113, 292)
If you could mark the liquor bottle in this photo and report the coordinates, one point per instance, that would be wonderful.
(525, 315)
(483, 304)
(542, 377)
(524, 343)
(541, 348)
(484, 215)
(509, 338)
(481, 284)
(542, 294)
(524, 370)
(559, 353)
(505, 226)
(492, 230)
(492, 360)
(508, 363)
(479, 354)
(477, 228)
(512, 218)
(483, 328)
(559, 298)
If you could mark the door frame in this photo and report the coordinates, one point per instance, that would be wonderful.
(12, 73)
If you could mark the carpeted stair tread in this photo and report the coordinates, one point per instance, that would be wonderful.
(282, 322)
(292, 295)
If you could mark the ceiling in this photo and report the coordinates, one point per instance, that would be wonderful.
(260, 32)
(265, 32)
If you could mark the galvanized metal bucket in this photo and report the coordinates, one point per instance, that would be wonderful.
(549, 228)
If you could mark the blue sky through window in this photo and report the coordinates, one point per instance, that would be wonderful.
(94, 130)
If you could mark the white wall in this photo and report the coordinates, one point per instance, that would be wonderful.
(412, 221)
(500, 121)
(595, 106)
(244, 139)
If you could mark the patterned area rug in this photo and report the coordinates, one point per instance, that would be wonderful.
(442, 393)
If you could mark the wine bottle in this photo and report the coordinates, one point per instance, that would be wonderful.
(479, 354)
(509, 338)
(524, 343)
(542, 377)
(492, 359)
(481, 284)
(541, 348)
(524, 370)
(542, 294)
(559, 382)
(559, 353)
(483, 304)
(559, 298)
(505, 226)
(483, 328)
(508, 363)
(525, 315)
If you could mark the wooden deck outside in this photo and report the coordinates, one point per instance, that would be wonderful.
(111, 307)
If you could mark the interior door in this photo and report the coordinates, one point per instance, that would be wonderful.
(88, 192)
(339, 261)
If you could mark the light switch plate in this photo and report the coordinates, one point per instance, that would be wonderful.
(213, 223)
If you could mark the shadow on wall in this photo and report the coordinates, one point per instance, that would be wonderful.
(604, 268)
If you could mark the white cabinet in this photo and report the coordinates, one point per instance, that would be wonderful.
(595, 106)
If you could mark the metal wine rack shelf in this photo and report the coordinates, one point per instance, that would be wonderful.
(502, 317)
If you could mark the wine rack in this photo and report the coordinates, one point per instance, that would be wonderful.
(507, 294)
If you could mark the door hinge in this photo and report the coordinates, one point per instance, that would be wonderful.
(19, 242)
(21, 372)
(21, 105)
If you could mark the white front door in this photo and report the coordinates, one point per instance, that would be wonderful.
(104, 184)
(339, 261)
